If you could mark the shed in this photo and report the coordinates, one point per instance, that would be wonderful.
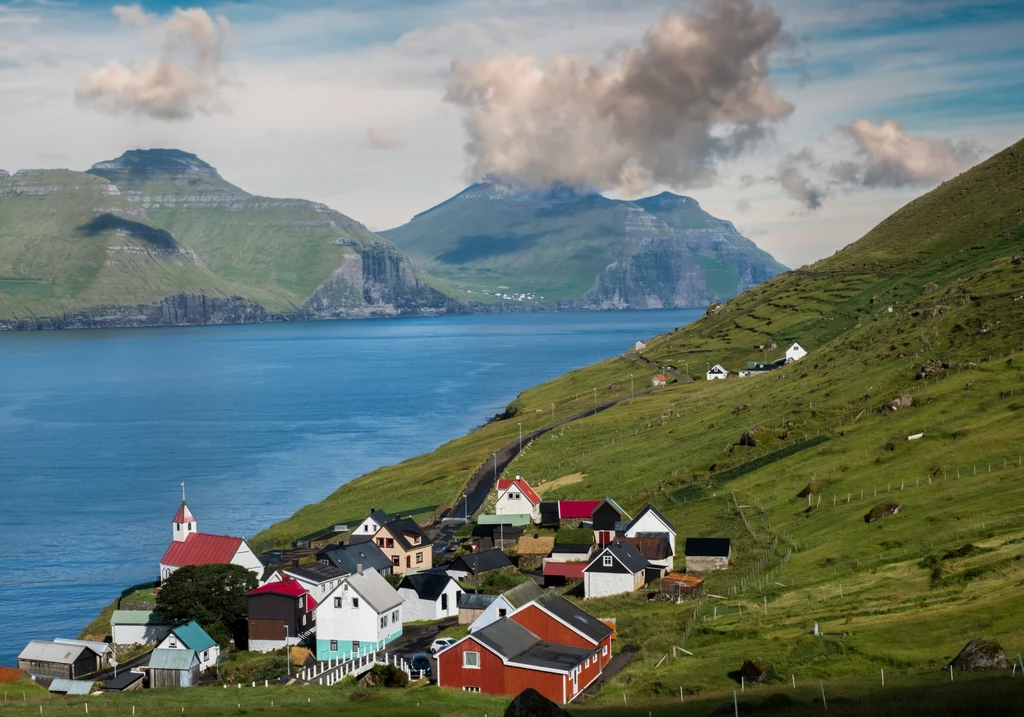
(540, 547)
(618, 568)
(429, 595)
(472, 606)
(191, 636)
(128, 681)
(61, 686)
(53, 659)
(101, 649)
(138, 627)
(682, 585)
(557, 572)
(549, 513)
(704, 555)
(10, 675)
(507, 603)
(173, 668)
(717, 373)
(500, 536)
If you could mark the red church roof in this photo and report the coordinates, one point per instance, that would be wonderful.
(524, 488)
(581, 509)
(201, 549)
(184, 515)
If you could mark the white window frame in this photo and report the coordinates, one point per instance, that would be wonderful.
(465, 660)
(607, 561)
(470, 689)
(384, 621)
(604, 650)
(394, 616)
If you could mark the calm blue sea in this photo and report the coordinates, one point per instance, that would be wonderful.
(98, 428)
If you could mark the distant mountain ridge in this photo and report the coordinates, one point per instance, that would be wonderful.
(567, 247)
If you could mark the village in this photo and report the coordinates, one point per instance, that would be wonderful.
(500, 607)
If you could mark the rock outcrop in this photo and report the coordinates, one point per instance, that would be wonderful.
(979, 654)
(530, 703)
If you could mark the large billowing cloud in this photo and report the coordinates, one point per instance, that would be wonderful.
(186, 79)
(695, 92)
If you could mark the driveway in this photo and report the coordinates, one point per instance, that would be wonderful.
(417, 638)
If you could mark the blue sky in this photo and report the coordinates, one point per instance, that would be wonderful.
(343, 102)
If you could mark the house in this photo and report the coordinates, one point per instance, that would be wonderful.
(756, 368)
(717, 373)
(348, 558)
(319, 579)
(639, 346)
(495, 536)
(658, 380)
(795, 353)
(191, 637)
(54, 659)
(553, 618)
(173, 668)
(656, 549)
(280, 613)
(138, 627)
(507, 603)
(406, 544)
(190, 547)
(102, 650)
(60, 686)
(429, 595)
(650, 521)
(618, 568)
(706, 554)
(361, 615)
(505, 658)
(472, 606)
(126, 681)
(369, 527)
(604, 518)
(572, 545)
(478, 563)
(516, 497)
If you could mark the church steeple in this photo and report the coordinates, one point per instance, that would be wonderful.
(184, 521)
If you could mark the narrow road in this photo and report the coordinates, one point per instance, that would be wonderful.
(108, 673)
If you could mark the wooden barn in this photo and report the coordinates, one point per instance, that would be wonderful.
(472, 606)
(59, 660)
(173, 668)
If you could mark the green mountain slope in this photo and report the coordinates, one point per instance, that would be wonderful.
(584, 249)
(912, 391)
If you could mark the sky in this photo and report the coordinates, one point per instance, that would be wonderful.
(805, 122)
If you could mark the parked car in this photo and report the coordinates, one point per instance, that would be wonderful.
(441, 643)
(454, 545)
(420, 666)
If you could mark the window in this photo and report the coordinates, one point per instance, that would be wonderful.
(394, 560)
(502, 612)
(174, 640)
(302, 602)
(604, 651)
(355, 603)
(380, 542)
(206, 655)
(471, 660)
(367, 528)
(514, 496)
(384, 621)
(394, 616)
(334, 645)
(303, 619)
(606, 561)
(419, 557)
(470, 689)
(390, 543)
(190, 526)
(337, 602)
(444, 602)
(355, 646)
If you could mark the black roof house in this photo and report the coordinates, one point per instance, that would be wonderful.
(350, 557)
(403, 527)
(606, 515)
(708, 547)
(428, 584)
(625, 558)
(483, 562)
(316, 572)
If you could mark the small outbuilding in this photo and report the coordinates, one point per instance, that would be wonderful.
(618, 568)
(429, 595)
(658, 380)
(61, 686)
(681, 585)
(704, 555)
(173, 668)
(472, 606)
(507, 603)
(639, 346)
(58, 660)
(138, 627)
(191, 637)
(127, 681)
(717, 373)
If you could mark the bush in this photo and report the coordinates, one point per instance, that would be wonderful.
(498, 581)
(388, 676)
(254, 667)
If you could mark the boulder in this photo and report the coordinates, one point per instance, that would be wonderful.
(901, 402)
(979, 654)
(755, 670)
(929, 287)
(930, 367)
(1019, 259)
(741, 407)
(754, 436)
(883, 510)
(531, 703)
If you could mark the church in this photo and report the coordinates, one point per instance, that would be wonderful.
(190, 547)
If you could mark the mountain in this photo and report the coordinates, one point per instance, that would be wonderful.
(582, 249)
(910, 394)
(159, 237)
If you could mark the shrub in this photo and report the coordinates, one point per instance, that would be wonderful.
(388, 676)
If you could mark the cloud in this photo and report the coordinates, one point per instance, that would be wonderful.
(743, 206)
(187, 79)
(383, 138)
(694, 93)
(793, 178)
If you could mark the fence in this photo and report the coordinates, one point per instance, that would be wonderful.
(331, 671)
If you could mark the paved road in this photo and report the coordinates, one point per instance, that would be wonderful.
(614, 667)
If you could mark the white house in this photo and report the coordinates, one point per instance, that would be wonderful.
(361, 616)
(516, 497)
(507, 603)
(194, 638)
(190, 547)
(795, 353)
(651, 521)
(640, 346)
(369, 527)
(717, 373)
(429, 595)
(319, 579)
(618, 568)
(138, 627)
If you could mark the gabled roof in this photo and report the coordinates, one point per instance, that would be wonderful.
(524, 488)
(653, 511)
(428, 584)
(379, 517)
(611, 501)
(482, 562)
(124, 680)
(100, 648)
(476, 601)
(625, 553)
(517, 645)
(184, 515)
(42, 651)
(315, 572)
(708, 547)
(573, 509)
(193, 636)
(59, 685)
(575, 617)
(201, 549)
(522, 594)
(372, 588)
(556, 569)
(402, 529)
(287, 586)
(652, 546)
(660, 377)
(348, 558)
(166, 658)
(717, 368)
(138, 617)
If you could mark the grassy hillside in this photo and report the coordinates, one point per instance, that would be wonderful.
(907, 592)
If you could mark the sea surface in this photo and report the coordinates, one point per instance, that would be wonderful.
(99, 428)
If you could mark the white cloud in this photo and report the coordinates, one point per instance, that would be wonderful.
(383, 138)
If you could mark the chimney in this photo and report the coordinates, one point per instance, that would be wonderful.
(359, 568)
(551, 590)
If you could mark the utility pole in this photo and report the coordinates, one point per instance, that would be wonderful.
(465, 505)
(631, 385)
(552, 412)
(287, 652)
(520, 437)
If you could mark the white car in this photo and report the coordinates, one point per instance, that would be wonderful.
(440, 644)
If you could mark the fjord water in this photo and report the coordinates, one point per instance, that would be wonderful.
(99, 428)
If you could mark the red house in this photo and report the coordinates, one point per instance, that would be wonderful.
(548, 644)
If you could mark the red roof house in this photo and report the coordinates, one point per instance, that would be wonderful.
(517, 497)
(280, 613)
(190, 547)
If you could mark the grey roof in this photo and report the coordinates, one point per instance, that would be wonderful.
(517, 644)
(650, 509)
(316, 572)
(123, 681)
(626, 553)
(581, 548)
(71, 687)
(373, 588)
(476, 601)
(137, 617)
(568, 613)
(379, 517)
(407, 525)
(708, 547)
(165, 658)
(482, 562)
(522, 594)
(349, 557)
(100, 648)
(428, 584)
(42, 651)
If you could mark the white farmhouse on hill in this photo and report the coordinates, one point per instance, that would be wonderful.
(717, 373)
(640, 346)
(795, 353)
